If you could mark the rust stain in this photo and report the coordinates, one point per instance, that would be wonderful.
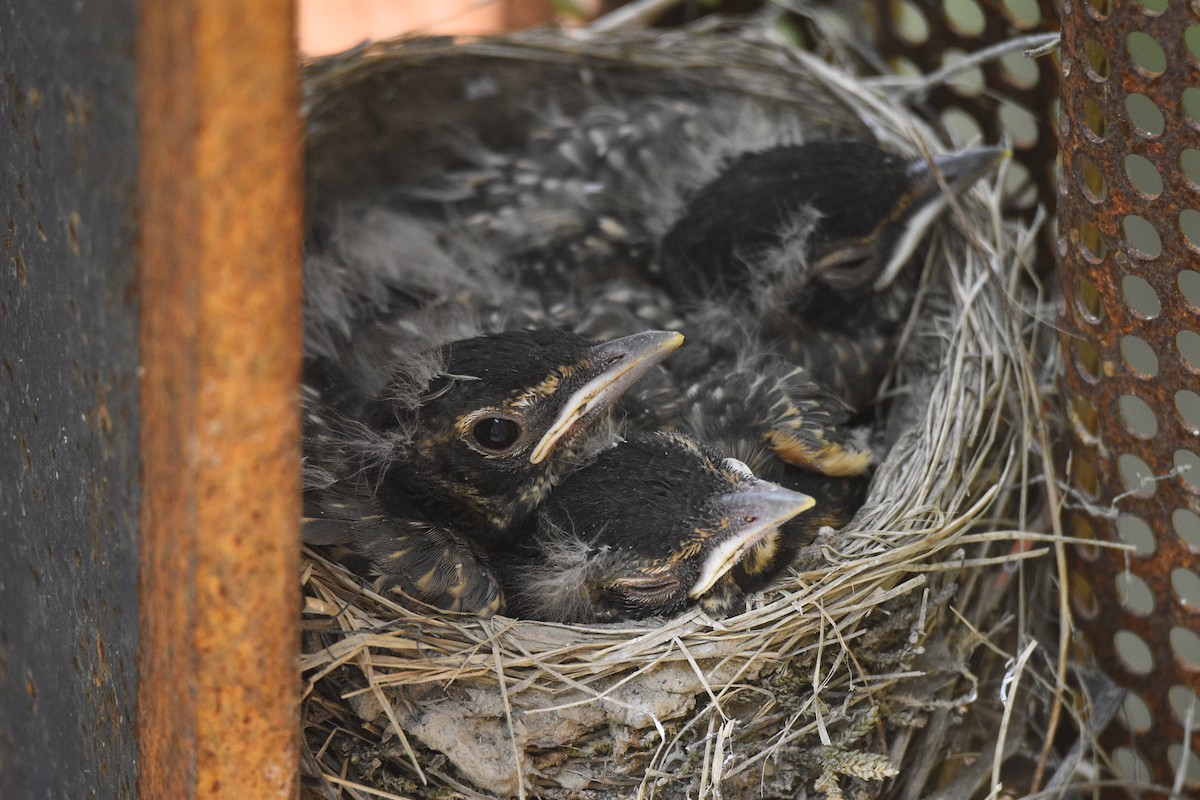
(79, 108)
(220, 337)
(21, 437)
(102, 418)
(19, 269)
(73, 224)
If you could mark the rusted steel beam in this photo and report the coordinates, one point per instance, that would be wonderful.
(219, 280)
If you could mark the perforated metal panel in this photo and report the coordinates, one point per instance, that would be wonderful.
(1013, 96)
(1129, 238)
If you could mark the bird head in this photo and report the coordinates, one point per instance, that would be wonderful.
(507, 413)
(847, 212)
(836, 501)
(875, 206)
(651, 524)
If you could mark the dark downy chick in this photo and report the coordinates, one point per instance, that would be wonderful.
(650, 525)
(464, 453)
(790, 430)
(810, 242)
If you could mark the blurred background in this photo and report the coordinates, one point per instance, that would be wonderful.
(327, 26)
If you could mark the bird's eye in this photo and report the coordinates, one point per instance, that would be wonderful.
(496, 433)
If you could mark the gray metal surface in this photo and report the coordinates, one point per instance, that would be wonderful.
(68, 399)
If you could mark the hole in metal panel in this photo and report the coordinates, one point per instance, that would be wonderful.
(1189, 287)
(1136, 475)
(1187, 526)
(1020, 125)
(1139, 357)
(1022, 13)
(1083, 599)
(1136, 714)
(1154, 7)
(1189, 162)
(1188, 465)
(1091, 180)
(1082, 529)
(1085, 416)
(962, 128)
(1143, 175)
(1187, 403)
(903, 66)
(1187, 587)
(1191, 771)
(1191, 40)
(1019, 71)
(1098, 9)
(909, 22)
(1138, 416)
(1091, 242)
(1141, 297)
(1084, 479)
(1141, 235)
(1087, 359)
(964, 16)
(1183, 700)
(1146, 117)
(1018, 186)
(1094, 120)
(1134, 531)
(1096, 59)
(1089, 302)
(1133, 652)
(1186, 644)
(1189, 226)
(1130, 766)
(1188, 344)
(1191, 104)
(1135, 594)
(1146, 53)
(968, 82)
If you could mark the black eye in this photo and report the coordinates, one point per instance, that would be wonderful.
(496, 433)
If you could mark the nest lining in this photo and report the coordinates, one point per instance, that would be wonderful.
(884, 631)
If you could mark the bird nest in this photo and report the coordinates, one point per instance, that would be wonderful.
(893, 660)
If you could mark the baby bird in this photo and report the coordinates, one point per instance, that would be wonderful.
(649, 526)
(443, 459)
(770, 415)
(808, 243)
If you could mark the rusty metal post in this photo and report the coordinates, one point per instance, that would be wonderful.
(219, 266)
(1129, 234)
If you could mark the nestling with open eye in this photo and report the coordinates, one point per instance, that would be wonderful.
(651, 525)
(423, 474)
